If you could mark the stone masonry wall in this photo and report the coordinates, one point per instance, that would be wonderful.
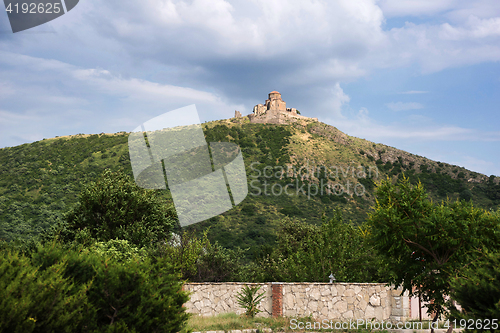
(333, 301)
(338, 301)
(210, 299)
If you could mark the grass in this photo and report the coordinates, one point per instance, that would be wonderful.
(232, 321)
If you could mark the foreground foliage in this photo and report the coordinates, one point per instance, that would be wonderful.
(477, 290)
(77, 290)
(428, 243)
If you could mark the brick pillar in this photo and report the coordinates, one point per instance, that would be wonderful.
(277, 297)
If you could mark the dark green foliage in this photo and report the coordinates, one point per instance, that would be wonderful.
(69, 290)
(309, 253)
(115, 207)
(140, 294)
(492, 190)
(261, 220)
(338, 198)
(199, 260)
(428, 241)
(367, 183)
(34, 299)
(272, 141)
(291, 211)
(477, 289)
(41, 180)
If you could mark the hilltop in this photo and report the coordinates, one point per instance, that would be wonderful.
(41, 180)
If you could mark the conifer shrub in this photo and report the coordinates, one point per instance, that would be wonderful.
(38, 300)
(83, 290)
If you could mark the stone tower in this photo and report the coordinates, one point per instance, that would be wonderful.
(275, 103)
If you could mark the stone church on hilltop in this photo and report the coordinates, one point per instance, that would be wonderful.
(274, 111)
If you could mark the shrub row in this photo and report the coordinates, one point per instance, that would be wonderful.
(56, 289)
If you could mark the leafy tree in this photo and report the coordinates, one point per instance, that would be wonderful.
(119, 250)
(199, 260)
(309, 253)
(477, 290)
(114, 207)
(426, 242)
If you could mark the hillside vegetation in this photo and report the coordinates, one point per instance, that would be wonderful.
(40, 181)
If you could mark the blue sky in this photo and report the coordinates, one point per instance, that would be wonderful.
(419, 75)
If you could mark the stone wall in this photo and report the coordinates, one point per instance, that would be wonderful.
(210, 299)
(336, 301)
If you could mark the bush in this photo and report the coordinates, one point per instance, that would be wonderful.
(33, 300)
(466, 195)
(477, 290)
(69, 290)
(291, 211)
(198, 260)
(119, 250)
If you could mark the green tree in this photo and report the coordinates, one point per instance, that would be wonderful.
(309, 253)
(114, 207)
(427, 243)
(477, 290)
(199, 260)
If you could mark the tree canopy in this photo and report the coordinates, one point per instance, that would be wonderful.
(310, 253)
(114, 207)
(428, 243)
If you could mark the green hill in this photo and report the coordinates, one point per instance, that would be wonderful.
(41, 180)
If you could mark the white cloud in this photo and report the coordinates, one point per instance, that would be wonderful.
(436, 47)
(475, 28)
(333, 100)
(77, 100)
(400, 106)
(418, 129)
(415, 7)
